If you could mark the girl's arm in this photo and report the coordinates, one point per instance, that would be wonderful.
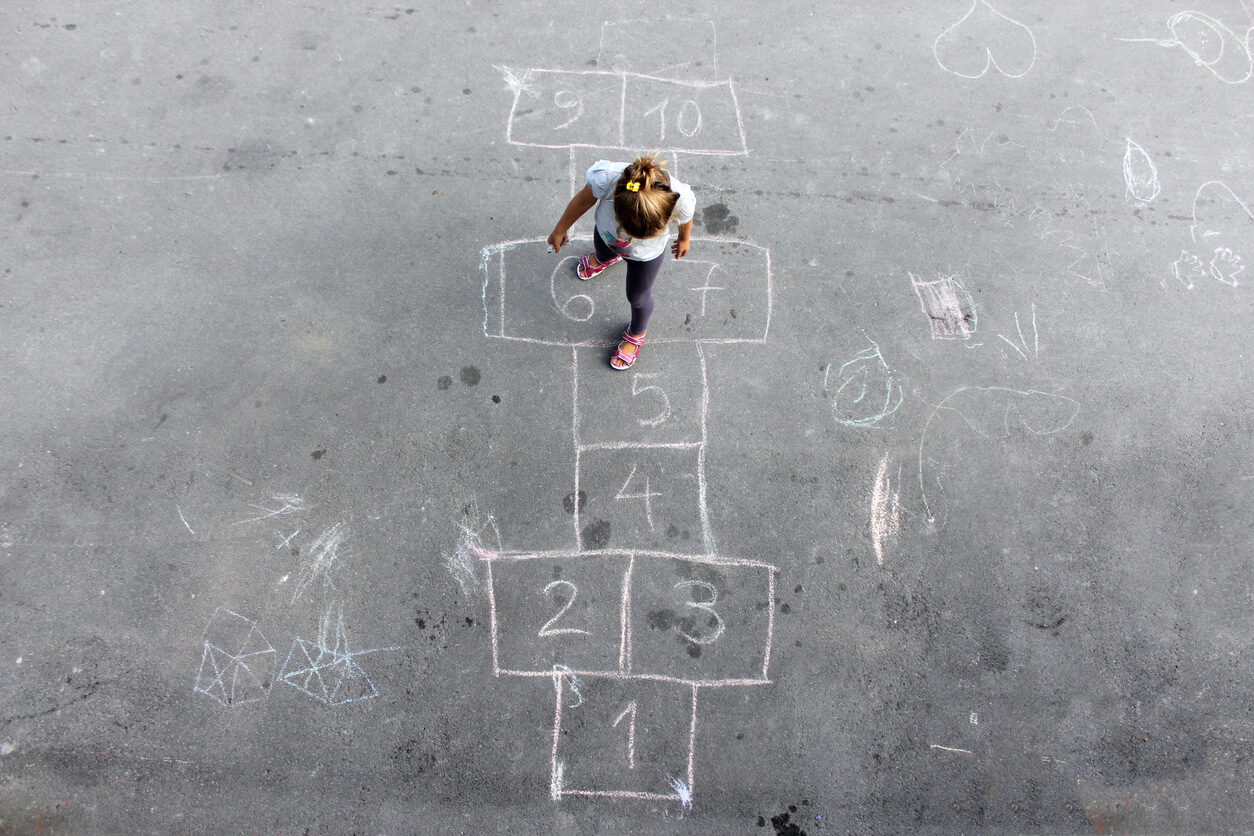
(580, 203)
(680, 247)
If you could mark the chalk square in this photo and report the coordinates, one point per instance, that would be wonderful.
(617, 737)
(642, 498)
(720, 293)
(697, 117)
(558, 109)
(660, 403)
(565, 611)
(687, 48)
(701, 621)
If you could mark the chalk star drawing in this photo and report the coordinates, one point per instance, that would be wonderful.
(966, 48)
(235, 660)
(324, 669)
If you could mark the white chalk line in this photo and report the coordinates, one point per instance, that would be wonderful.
(625, 78)
(552, 554)
(989, 61)
(501, 247)
(951, 749)
(941, 406)
(184, 519)
(610, 673)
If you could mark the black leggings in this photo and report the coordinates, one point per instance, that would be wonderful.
(640, 277)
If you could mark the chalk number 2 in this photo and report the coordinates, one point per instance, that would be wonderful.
(548, 629)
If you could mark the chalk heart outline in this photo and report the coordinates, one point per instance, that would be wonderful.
(974, 37)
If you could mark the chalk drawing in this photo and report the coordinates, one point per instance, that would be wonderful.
(1139, 173)
(623, 111)
(1222, 224)
(548, 629)
(463, 563)
(885, 509)
(184, 519)
(235, 664)
(624, 719)
(1040, 413)
(568, 320)
(631, 732)
(324, 552)
(325, 669)
(949, 307)
(866, 391)
(572, 682)
(706, 607)
(967, 48)
(1211, 44)
(289, 503)
(633, 100)
(1022, 346)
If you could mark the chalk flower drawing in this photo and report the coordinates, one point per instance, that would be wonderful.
(867, 390)
(1139, 173)
(236, 660)
(1211, 44)
(985, 38)
(324, 669)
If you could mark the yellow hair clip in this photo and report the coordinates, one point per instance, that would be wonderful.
(632, 186)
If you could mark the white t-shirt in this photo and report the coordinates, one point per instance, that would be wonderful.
(602, 178)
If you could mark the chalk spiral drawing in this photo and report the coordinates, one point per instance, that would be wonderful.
(1211, 44)
(235, 664)
(535, 629)
(885, 509)
(949, 307)
(326, 669)
(1139, 173)
(984, 39)
(1222, 222)
(1040, 413)
(867, 391)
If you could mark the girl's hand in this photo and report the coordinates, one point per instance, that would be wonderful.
(557, 241)
(680, 247)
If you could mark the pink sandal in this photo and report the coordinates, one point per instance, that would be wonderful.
(626, 359)
(585, 272)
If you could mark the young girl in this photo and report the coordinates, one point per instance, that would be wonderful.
(636, 204)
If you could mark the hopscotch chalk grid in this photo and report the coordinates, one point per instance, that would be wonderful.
(641, 611)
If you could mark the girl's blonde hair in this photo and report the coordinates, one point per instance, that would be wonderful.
(643, 200)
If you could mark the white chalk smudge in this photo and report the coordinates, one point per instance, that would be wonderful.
(325, 551)
(885, 509)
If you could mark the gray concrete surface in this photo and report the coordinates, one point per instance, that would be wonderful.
(968, 403)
